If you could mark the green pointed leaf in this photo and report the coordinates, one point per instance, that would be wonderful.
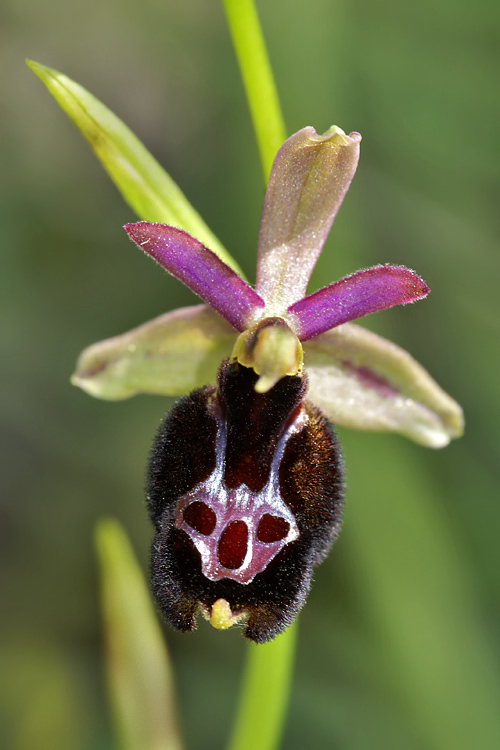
(138, 668)
(170, 355)
(360, 380)
(143, 183)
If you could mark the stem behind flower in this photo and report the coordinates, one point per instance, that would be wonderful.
(258, 79)
(264, 698)
(268, 672)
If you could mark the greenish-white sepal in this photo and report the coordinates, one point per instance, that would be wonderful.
(361, 380)
(170, 355)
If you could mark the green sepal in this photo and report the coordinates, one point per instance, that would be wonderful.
(170, 355)
(361, 380)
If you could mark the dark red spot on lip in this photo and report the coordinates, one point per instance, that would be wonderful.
(272, 528)
(233, 545)
(200, 517)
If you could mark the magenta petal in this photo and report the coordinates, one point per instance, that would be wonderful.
(352, 297)
(199, 269)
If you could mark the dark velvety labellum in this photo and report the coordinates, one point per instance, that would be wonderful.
(245, 491)
(183, 453)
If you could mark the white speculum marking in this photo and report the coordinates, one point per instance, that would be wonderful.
(238, 552)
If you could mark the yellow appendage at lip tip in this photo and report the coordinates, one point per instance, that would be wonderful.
(221, 616)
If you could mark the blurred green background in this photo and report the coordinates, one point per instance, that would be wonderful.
(398, 645)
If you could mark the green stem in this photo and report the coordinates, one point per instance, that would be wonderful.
(268, 671)
(264, 697)
(258, 79)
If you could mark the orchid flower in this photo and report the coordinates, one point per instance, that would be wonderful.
(245, 481)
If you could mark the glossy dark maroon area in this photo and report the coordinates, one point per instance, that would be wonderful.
(272, 528)
(255, 422)
(200, 517)
(309, 481)
(233, 545)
